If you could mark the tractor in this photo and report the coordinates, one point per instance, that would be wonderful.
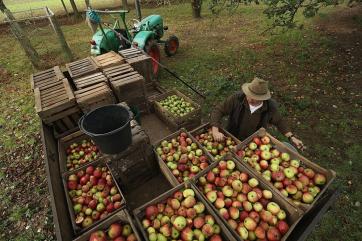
(145, 35)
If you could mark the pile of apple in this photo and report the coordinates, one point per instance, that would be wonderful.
(176, 105)
(183, 157)
(247, 208)
(216, 149)
(116, 232)
(288, 176)
(93, 194)
(180, 217)
(81, 153)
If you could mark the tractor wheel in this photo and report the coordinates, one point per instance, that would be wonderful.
(153, 51)
(171, 45)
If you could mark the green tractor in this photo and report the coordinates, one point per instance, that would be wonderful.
(145, 34)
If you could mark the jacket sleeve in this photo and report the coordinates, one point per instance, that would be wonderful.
(278, 121)
(221, 110)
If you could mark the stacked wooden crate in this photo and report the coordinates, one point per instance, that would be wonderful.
(47, 77)
(56, 106)
(89, 80)
(140, 62)
(128, 85)
(94, 96)
(82, 67)
(108, 60)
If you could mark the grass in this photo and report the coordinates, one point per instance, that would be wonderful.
(216, 55)
(54, 5)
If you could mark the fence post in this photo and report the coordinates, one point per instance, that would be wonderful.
(138, 9)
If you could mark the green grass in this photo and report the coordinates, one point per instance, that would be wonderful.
(54, 5)
(216, 55)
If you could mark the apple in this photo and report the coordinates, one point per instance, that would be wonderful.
(309, 173)
(230, 165)
(253, 182)
(252, 146)
(250, 224)
(274, 167)
(273, 234)
(114, 230)
(237, 185)
(247, 206)
(307, 198)
(267, 194)
(227, 191)
(295, 163)
(259, 232)
(266, 155)
(98, 236)
(234, 213)
(264, 164)
(266, 216)
(285, 156)
(288, 172)
(252, 196)
(265, 140)
(273, 208)
(319, 179)
(291, 189)
(283, 227)
(211, 196)
(258, 207)
(243, 232)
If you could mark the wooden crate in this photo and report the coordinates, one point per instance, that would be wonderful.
(82, 67)
(89, 80)
(140, 62)
(46, 77)
(294, 214)
(56, 106)
(113, 72)
(77, 229)
(108, 60)
(122, 217)
(329, 174)
(94, 96)
(65, 142)
(163, 166)
(139, 213)
(136, 164)
(189, 121)
(128, 86)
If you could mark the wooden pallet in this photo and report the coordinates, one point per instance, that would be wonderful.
(89, 80)
(82, 67)
(108, 60)
(56, 106)
(45, 78)
(140, 62)
(94, 96)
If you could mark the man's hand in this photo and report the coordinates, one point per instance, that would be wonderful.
(218, 136)
(298, 143)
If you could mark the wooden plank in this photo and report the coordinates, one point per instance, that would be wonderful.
(68, 122)
(38, 107)
(59, 124)
(49, 94)
(68, 89)
(68, 112)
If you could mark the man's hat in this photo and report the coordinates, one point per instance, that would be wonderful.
(257, 89)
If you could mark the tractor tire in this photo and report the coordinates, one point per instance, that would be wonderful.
(171, 45)
(153, 51)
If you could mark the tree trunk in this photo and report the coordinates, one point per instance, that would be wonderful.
(138, 9)
(65, 8)
(87, 3)
(75, 9)
(196, 8)
(20, 36)
(125, 4)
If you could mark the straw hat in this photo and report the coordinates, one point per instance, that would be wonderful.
(257, 89)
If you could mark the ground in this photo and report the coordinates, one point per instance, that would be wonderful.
(314, 72)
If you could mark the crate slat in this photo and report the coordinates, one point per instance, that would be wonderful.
(82, 67)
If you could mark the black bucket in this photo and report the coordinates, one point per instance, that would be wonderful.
(109, 127)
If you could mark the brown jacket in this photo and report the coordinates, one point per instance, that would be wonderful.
(241, 123)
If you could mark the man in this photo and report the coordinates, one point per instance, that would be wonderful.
(249, 110)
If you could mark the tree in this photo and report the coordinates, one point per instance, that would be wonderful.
(282, 12)
(75, 9)
(196, 8)
(20, 36)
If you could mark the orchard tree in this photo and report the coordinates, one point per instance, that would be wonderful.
(20, 35)
(282, 12)
(196, 8)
